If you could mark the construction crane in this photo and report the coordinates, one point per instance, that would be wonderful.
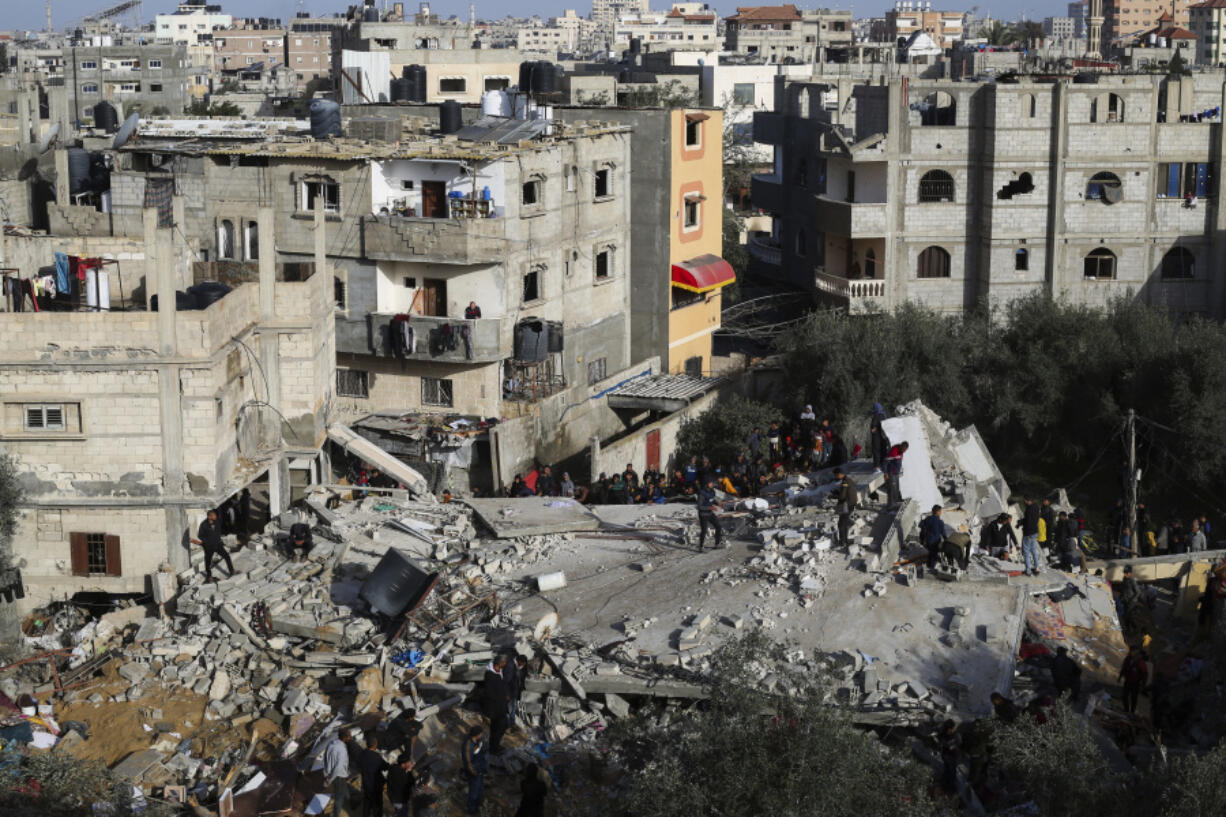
(113, 11)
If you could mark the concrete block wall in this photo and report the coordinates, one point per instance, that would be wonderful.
(612, 458)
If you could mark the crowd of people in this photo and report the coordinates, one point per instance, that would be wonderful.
(392, 768)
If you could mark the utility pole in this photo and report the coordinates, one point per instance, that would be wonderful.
(1131, 497)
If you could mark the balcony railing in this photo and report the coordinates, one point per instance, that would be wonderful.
(765, 249)
(860, 293)
(442, 240)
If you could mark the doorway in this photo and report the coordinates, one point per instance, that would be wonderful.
(434, 199)
(434, 297)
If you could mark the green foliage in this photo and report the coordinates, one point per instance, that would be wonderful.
(734, 253)
(720, 431)
(786, 754)
(11, 496)
(671, 94)
(596, 99)
(1196, 785)
(1046, 382)
(199, 107)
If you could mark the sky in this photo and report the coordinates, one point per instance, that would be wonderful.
(25, 14)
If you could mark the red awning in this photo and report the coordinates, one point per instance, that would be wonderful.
(703, 273)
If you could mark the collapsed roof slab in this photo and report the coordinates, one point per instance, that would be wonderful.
(532, 516)
(917, 480)
(905, 631)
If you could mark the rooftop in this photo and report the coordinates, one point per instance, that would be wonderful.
(746, 14)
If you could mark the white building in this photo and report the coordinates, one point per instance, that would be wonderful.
(192, 23)
(687, 26)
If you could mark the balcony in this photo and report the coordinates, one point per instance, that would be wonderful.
(766, 192)
(369, 335)
(765, 249)
(854, 220)
(439, 240)
(861, 294)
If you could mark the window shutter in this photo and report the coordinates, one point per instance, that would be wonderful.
(80, 554)
(34, 416)
(114, 562)
(54, 416)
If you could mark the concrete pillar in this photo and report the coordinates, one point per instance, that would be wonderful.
(1058, 140)
(321, 238)
(1217, 292)
(267, 341)
(183, 259)
(61, 176)
(268, 263)
(23, 119)
(278, 486)
(160, 266)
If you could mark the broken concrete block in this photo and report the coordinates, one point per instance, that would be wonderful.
(134, 673)
(220, 687)
(735, 622)
(643, 567)
(550, 581)
(617, 705)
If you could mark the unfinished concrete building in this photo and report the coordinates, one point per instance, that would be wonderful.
(528, 219)
(128, 424)
(951, 194)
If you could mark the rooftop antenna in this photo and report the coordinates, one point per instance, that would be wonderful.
(472, 15)
(49, 28)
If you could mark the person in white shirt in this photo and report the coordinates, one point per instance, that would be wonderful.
(336, 771)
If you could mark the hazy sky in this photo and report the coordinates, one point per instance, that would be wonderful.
(31, 13)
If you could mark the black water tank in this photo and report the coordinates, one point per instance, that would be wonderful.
(402, 90)
(525, 76)
(207, 293)
(531, 340)
(450, 117)
(184, 301)
(396, 585)
(636, 45)
(370, 14)
(78, 170)
(325, 119)
(555, 336)
(106, 117)
(543, 79)
(416, 74)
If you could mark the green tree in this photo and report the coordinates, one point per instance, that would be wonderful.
(998, 33)
(1196, 784)
(720, 431)
(199, 107)
(734, 253)
(786, 753)
(671, 94)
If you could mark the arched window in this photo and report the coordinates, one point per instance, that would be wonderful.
(253, 241)
(1021, 260)
(1178, 263)
(802, 243)
(936, 185)
(1100, 264)
(1107, 108)
(1105, 186)
(1026, 105)
(938, 108)
(225, 239)
(870, 263)
(933, 263)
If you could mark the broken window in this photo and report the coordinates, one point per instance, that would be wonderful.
(602, 182)
(1180, 179)
(938, 108)
(936, 185)
(352, 383)
(603, 264)
(532, 193)
(225, 239)
(252, 236)
(436, 391)
(693, 366)
(313, 189)
(1021, 185)
(338, 292)
(532, 286)
(1107, 108)
(933, 263)
(1106, 187)
(1178, 263)
(1021, 260)
(1100, 264)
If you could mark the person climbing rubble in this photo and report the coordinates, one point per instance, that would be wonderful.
(706, 515)
(893, 471)
(848, 499)
(879, 443)
(932, 535)
(301, 540)
(496, 701)
(474, 763)
(208, 536)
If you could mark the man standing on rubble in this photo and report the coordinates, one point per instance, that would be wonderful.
(474, 762)
(371, 766)
(893, 471)
(932, 535)
(1030, 538)
(1135, 674)
(706, 515)
(208, 536)
(400, 782)
(848, 499)
(1065, 674)
(496, 701)
(336, 771)
(879, 443)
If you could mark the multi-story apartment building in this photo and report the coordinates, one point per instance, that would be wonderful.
(1077, 11)
(305, 50)
(1124, 17)
(606, 13)
(954, 193)
(134, 77)
(563, 35)
(191, 24)
(127, 425)
(911, 16)
(684, 27)
(1060, 28)
(676, 268)
(785, 34)
(1207, 20)
(532, 228)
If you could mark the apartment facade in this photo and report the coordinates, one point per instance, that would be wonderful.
(191, 24)
(684, 27)
(147, 78)
(128, 425)
(563, 35)
(606, 13)
(1207, 20)
(1124, 17)
(786, 35)
(1060, 28)
(908, 17)
(954, 193)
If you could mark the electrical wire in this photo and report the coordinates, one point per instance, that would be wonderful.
(1091, 469)
(260, 366)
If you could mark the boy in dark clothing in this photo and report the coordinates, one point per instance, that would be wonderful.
(495, 701)
(878, 441)
(474, 763)
(1065, 674)
(707, 517)
(208, 535)
(301, 540)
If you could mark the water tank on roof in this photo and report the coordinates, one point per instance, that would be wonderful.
(416, 74)
(531, 340)
(325, 119)
(496, 103)
(450, 117)
(106, 117)
(78, 170)
(543, 79)
(207, 292)
(401, 90)
(525, 77)
(636, 45)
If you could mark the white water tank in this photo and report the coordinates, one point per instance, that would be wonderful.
(496, 103)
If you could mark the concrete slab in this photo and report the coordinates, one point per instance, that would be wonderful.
(918, 481)
(532, 516)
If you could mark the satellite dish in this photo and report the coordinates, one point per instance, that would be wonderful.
(126, 131)
(545, 627)
(49, 138)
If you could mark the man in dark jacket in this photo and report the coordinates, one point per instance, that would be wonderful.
(1030, 538)
(400, 782)
(208, 536)
(495, 700)
(1065, 542)
(545, 483)
(932, 534)
(372, 766)
(1065, 674)
(474, 763)
(706, 515)
(1048, 514)
(301, 540)
(848, 499)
